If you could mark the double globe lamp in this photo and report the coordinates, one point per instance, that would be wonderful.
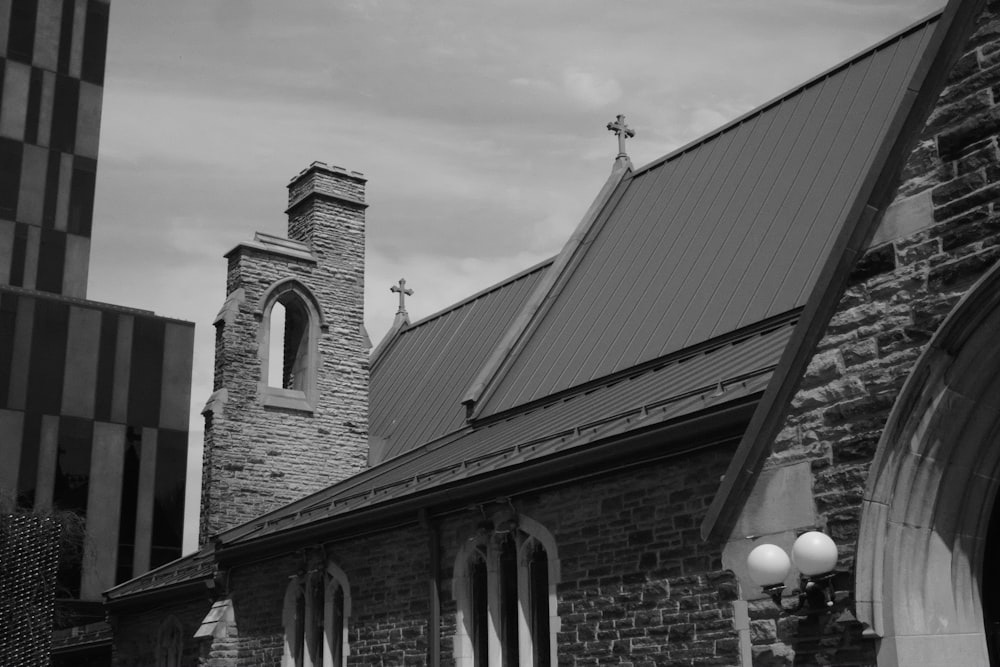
(814, 554)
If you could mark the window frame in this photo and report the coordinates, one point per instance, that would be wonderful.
(295, 650)
(292, 291)
(486, 547)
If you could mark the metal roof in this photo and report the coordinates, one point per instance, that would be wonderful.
(723, 233)
(696, 380)
(199, 565)
(416, 383)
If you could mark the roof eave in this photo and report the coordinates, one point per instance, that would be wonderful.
(874, 196)
(708, 428)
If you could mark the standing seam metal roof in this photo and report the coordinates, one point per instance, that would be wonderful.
(718, 235)
(416, 384)
(682, 385)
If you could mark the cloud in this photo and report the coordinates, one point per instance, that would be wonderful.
(590, 89)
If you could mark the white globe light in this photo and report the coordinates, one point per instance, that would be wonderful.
(768, 565)
(814, 553)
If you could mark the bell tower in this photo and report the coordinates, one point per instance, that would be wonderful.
(288, 414)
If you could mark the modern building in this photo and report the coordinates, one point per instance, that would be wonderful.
(785, 327)
(93, 397)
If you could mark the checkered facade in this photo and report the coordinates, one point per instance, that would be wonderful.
(51, 85)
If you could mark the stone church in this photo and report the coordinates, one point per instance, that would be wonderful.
(786, 327)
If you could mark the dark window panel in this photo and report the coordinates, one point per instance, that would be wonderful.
(480, 612)
(508, 602)
(538, 604)
(8, 319)
(18, 254)
(66, 36)
(70, 492)
(129, 503)
(11, 153)
(95, 43)
(34, 107)
(168, 497)
(65, 107)
(21, 38)
(51, 261)
(28, 471)
(48, 356)
(72, 483)
(81, 196)
(106, 366)
(51, 190)
(146, 372)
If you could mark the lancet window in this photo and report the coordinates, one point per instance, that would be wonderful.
(505, 586)
(316, 609)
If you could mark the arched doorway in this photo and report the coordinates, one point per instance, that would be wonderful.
(931, 494)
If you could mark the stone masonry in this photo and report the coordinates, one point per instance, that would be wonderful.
(940, 235)
(260, 455)
(638, 586)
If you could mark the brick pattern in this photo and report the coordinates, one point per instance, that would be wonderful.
(259, 458)
(899, 295)
(638, 586)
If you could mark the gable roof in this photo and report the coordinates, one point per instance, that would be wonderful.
(724, 372)
(724, 232)
(941, 51)
(419, 374)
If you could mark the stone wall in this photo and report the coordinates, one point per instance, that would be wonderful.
(259, 457)
(638, 586)
(940, 235)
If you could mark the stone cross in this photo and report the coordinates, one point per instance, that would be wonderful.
(403, 293)
(623, 132)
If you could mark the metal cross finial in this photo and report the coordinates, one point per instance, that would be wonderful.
(623, 132)
(403, 293)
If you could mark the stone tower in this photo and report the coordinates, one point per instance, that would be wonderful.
(288, 418)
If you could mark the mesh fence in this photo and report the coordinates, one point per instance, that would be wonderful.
(29, 558)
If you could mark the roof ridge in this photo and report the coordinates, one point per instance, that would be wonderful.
(483, 292)
(536, 306)
(788, 94)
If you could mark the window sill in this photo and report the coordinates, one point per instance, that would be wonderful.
(286, 399)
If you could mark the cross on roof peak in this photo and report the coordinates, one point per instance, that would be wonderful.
(623, 132)
(403, 292)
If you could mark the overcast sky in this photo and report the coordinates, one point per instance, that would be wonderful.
(480, 126)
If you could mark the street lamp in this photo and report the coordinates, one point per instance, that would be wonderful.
(814, 554)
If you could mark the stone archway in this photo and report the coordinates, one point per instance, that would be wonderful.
(930, 495)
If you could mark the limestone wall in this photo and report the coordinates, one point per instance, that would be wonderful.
(940, 235)
(260, 456)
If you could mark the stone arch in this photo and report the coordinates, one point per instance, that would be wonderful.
(930, 494)
(300, 302)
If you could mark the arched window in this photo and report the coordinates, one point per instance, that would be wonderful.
(169, 643)
(291, 323)
(505, 583)
(316, 608)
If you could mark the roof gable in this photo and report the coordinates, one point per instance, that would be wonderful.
(723, 233)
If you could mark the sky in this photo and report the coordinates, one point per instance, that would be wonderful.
(479, 125)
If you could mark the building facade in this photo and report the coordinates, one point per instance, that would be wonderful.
(94, 398)
(571, 468)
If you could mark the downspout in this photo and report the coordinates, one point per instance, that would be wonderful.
(434, 588)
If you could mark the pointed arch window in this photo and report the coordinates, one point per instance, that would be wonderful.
(506, 592)
(316, 609)
(291, 324)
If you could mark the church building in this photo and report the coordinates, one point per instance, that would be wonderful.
(778, 339)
